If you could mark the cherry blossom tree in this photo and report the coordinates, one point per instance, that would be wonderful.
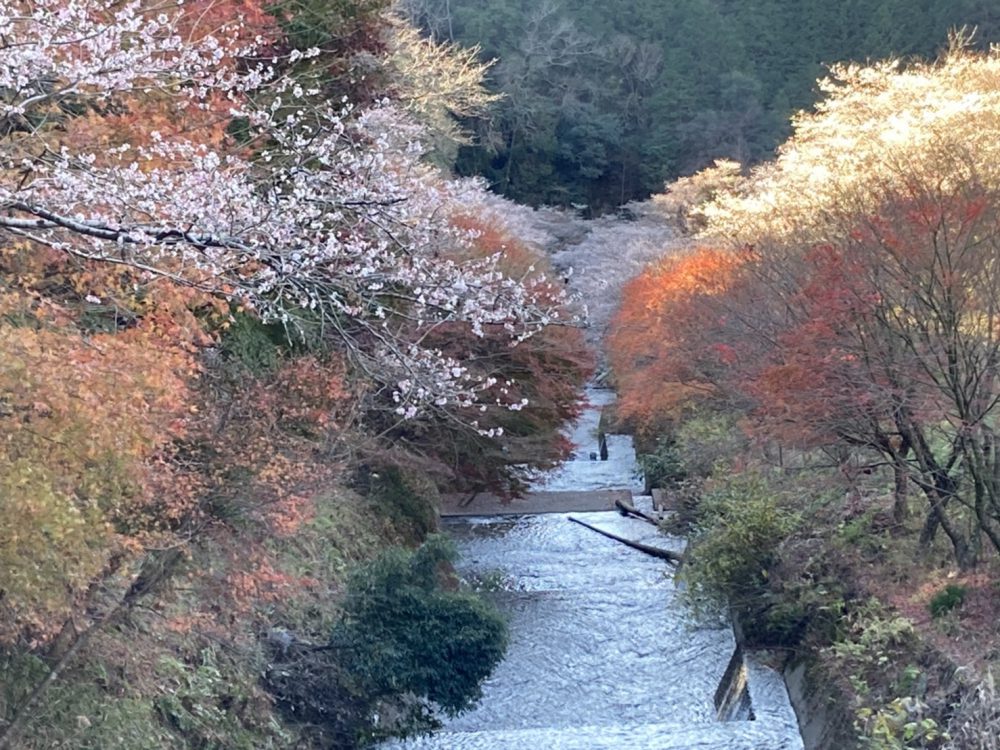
(180, 168)
(308, 212)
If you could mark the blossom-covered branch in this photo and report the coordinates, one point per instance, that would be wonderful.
(318, 216)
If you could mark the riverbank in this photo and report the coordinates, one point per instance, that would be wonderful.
(883, 645)
(915, 652)
(180, 676)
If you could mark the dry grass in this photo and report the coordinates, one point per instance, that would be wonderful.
(976, 725)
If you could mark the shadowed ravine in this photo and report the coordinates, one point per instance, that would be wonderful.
(601, 655)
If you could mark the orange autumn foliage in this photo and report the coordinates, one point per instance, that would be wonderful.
(267, 445)
(263, 445)
(491, 238)
(657, 340)
(120, 437)
(216, 17)
(88, 420)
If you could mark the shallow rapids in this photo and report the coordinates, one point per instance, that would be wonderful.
(602, 655)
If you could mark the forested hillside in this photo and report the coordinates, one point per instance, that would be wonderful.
(247, 332)
(605, 101)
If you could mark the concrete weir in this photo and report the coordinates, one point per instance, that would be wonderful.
(602, 655)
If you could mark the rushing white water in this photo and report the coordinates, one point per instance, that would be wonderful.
(582, 473)
(602, 655)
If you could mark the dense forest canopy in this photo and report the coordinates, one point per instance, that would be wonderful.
(605, 101)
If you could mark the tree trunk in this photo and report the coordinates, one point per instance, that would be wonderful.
(23, 712)
(939, 487)
(664, 554)
(900, 494)
(929, 530)
(965, 554)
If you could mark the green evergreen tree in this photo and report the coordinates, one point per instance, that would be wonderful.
(604, 101)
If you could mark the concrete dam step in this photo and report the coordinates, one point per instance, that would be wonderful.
(651, 736)
(567, 501)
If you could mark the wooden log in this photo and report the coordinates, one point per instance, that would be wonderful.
(663, 554)
(627, 509)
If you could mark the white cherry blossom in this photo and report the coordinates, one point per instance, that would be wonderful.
(330, 219)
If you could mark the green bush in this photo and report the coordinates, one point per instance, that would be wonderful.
(875, 643)
(248, 343)
(900, 725)
(408, 646)
(871, 632)
(216, 704)
(663, 466)
(402, 632)
(950, 598)
(741, 524)
(406, 499)
(706, 441)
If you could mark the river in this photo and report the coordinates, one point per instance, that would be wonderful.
(602, 654)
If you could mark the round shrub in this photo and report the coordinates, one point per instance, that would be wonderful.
(950, 598)
(740, 526)
(408, 646)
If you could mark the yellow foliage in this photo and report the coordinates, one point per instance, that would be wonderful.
(438, 82)
(884, 126)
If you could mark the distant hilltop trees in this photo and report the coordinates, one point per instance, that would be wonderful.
(605, 101)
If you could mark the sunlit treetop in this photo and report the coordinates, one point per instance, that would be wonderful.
(880, 127)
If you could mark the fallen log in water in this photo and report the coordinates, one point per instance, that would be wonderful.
(627, 509)
(664, 554)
